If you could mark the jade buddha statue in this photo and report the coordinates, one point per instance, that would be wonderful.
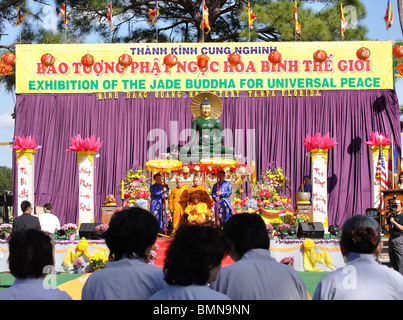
(207, 133)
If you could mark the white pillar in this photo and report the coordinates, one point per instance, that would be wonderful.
(25, 176)
(319, 186)
(376, 185)
(86, 186)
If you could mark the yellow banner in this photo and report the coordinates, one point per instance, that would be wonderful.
(342, 70)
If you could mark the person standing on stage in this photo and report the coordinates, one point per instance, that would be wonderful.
(222, 197)
(395, 244)
(176, 205)
(26, 220)
(157, 206)
(362, 278)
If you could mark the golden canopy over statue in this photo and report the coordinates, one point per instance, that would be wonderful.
(206, 108)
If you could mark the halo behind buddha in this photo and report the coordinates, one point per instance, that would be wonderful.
(215, 103)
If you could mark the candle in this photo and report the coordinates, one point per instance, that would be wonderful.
(302, 187)
(123, 191)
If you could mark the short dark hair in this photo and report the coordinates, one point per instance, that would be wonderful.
(246, 231)
(360, 234)
(30, 253)
(25, 205)
(131, 231)
(48, 206)
(192, 253)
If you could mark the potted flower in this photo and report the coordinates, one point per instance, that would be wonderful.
(97, 264)
(78, 266)
(100, 230)
(288, 261)
(269, 229)
(283, 230)
(5, 230)
(70, 229)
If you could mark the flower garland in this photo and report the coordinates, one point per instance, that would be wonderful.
(136, 187)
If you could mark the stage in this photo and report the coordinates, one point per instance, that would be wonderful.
(279, 249)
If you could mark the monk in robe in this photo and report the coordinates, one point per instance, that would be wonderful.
(176, 204)
(197, 187)
(196, 210)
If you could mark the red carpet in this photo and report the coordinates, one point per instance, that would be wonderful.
(163, 244)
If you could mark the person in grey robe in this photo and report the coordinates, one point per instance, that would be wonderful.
(363, 278)
(192, 261)
(127, 276)
(255, 275)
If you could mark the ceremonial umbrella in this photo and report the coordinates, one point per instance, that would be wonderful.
(164, 165)
(218, 163)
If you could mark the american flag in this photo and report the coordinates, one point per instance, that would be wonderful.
(381, 171)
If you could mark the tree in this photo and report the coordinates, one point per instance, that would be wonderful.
(179, 20)
(5, 179)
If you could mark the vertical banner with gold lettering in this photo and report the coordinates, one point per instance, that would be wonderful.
(86, 186)
(25, 176)
(319, 186)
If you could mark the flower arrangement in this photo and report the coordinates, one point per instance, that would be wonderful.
(319, 142)
(88, 144)
(283, 228)
(69, 228)
(269, 228)
(239, 171)
(288, 261)
(6, 228)
(377, 139)
(97, 263)
(25, 143)
(78, 264)
(100, 229)
(153, 254)
(136, 186)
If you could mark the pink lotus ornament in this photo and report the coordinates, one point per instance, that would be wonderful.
(377, 139)
(80, 144)
(25, 143)
(319, 142)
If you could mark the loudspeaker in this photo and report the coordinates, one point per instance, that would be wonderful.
(87, 230)
(310, 230)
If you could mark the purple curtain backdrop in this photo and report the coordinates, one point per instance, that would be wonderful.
(280, 124)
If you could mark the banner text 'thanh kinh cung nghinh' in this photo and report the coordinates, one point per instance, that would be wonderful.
(341, 71)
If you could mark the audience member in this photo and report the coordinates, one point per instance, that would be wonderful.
(363, 278)
(255, 275)
(49, 223)
(26, 220)
(131, 234)
(192, 261)
(30, 255)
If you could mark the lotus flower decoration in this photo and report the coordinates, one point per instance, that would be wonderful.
(25, 143)
(319, 142)
(377, 139)
(88, 144)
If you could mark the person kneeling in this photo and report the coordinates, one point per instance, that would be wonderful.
(197, 211)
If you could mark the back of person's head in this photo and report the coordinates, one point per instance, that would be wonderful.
(48, 206)
(360, 234)
(25, 205)
(192, 254)
(246, 231)
(30, 253)
(131, 231)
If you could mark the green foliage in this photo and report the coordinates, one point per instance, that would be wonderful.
(6, 179)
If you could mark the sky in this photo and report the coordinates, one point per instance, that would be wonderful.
(374, 22)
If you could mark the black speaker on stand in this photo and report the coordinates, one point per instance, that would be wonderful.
(87, 230)
(310, 230)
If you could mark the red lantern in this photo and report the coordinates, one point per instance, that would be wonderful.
(87, 60)
(234, 59)
(125, 60)
(47, 59)
(320, 56)
(170, 60)
(400, 69)
(363, 53)
(398, 51)
(6, 70)
(9, 58)
(2, 68)
(202, 62)
(275, 57)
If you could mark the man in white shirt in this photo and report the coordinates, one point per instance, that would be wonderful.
(49, 224)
